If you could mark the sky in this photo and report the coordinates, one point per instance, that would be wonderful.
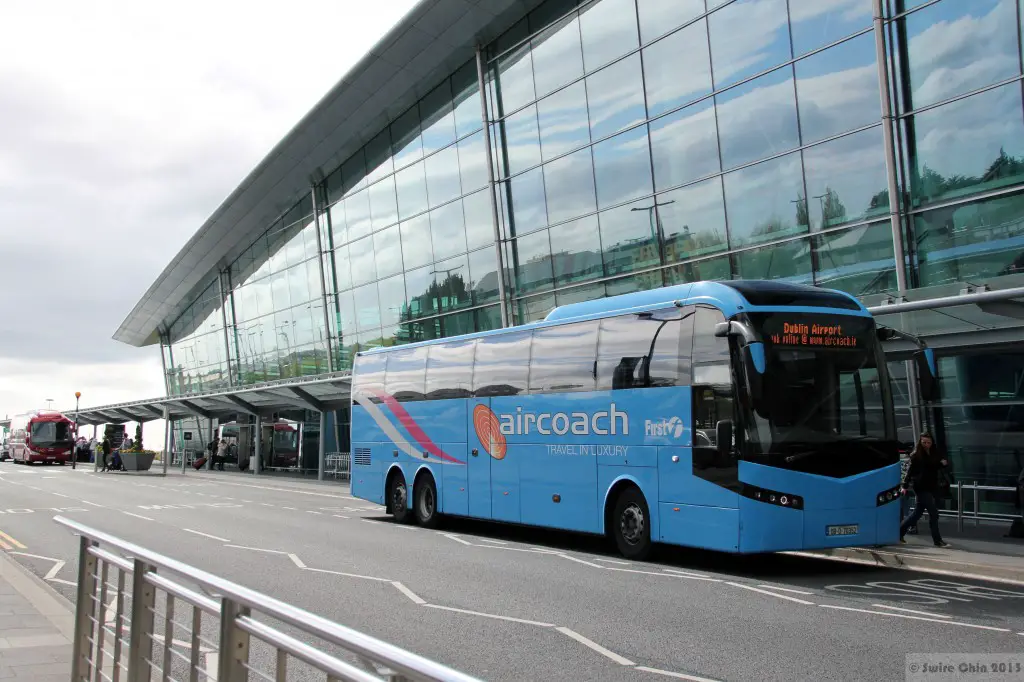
(123, 125)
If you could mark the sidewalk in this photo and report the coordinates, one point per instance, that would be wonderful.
(36, 627)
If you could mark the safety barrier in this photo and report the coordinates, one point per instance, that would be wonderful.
(140, 614)
(338, 465)
(975, 508)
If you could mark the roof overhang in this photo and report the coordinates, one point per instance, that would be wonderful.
(428, 44)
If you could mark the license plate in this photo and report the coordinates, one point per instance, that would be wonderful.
(832, 531)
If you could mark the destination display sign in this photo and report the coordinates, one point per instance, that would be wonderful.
(817, 331)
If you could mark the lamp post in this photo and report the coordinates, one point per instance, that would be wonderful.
(74, 446)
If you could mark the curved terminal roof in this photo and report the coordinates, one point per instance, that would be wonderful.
(433, 40)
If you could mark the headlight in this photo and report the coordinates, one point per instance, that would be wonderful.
(772, 497)
(887, 496)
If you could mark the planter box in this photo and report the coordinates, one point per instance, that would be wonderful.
(137, 461)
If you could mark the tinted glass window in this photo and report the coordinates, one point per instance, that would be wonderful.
(563, 358)
(710, 354)
(450, 370)
(369, 374)
(502, 365)
(626, 343)
(406, 373)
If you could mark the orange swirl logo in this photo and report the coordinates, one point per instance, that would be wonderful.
(488, 430)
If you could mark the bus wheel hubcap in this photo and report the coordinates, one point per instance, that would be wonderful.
(632, 524)
(427, 503)
(398, 496)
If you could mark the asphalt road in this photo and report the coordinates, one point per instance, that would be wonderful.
(508, 603)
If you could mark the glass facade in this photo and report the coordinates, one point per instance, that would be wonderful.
(643, 143)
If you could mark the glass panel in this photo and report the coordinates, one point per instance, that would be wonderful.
(748, 37)
(569, 185)
(609, 31)
(562, 359)
(972, 242)
(629, 238)
(790, 261)
(692, 221)
(615, 96)
(629, 285)
(298, 289)
(361, 257)
(383, 204)
(532, 262)
(707, 270)
(685, 145)
(488, 319)
(535, 308)
(766, 202)
(522, 141)
(378, 157)
(588, 292)
(512, 81)
(448, 230)
(466, 99)
(502, 364)
(815, 24)
(416, 244)
(557, 56)
(387, 249)
(956, 47)
(336, 216)
(483, 271)
(452, 278)
(347, 316)
(858, 261)
(473, 163)
(757, 119)
(353, 173)
(367, 308)
(479, 220)
(458, 324)
(846, 179)
(405, 137)
(437, 119)
(575, 253)
(837, 90)
(563, 121)
(342, 268)
(622, 166)
(443, 182)
(529, 210)
(677, 69)
(412, 190)
(279, 285)
(421, 291)
(968, 146)
(659, 16)
(391, 295)
(357, 215)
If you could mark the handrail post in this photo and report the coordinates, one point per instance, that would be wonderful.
(960, 505)
(977, 517)
(80, 667)
(140, 650)
(234, 643)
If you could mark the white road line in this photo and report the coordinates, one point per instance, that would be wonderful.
(296, 560)
(205, 535)
(92, 503)
(63, 582)
(579, 561)
(678, 676)
(681, 576)
(61, 495)
(490, 615)
(339, 516)
(686, 573)
(290, 508)
(312, 512)
(257, 549)
(785, 589)
(266, 504)
(920, 613)
(139, 516)
(621, 660)
(289, 490)
(493, 542)
(349, 575)
(409, 593)
(770, 594)
(930, 620)
(35, 556)
(613, 561)
(52, 573)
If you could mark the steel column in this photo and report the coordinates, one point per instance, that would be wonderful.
(163, 363)
(323, 281)
(140, 648)
(491, 186)
(224, 324)
(323, 447)
(257, 465)
(168, 432)
(80, 665)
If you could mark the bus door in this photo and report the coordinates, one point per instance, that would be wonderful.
(478, 461)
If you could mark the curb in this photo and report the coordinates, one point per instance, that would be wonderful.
(914, 562)
(51, 604)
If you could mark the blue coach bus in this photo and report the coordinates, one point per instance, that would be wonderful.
(741, 416)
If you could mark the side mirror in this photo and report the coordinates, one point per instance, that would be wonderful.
(927, 374)
(753, 368)
(723, 437)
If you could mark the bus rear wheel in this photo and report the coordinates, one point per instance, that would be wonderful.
(398, 498)
(631, 525)
(425, 502)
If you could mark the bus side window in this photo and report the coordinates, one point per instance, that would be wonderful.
(502, 365)
(450, 370)
(406, 373)
(562, 358)
(369, 374)
(670, 362)
(712, 384)
(626, 341)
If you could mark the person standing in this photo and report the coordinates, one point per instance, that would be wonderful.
(105, 449)
(927, 469)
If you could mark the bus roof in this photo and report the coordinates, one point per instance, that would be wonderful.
(731, 297)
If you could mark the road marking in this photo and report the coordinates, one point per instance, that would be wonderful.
(339, 516)
(312, 512)
(63, 582)
(920, 613)
(296, 560)
(349, 575)
(690, 574)
(621, 660)
(60, 495)
(493, 542)
(205, 535)
(257, 549)
(289, 490)
(7, 542)
(52, 573)
(678, 676)
(266, 504)
(770, 594)
(92, 503)
(290, 508)
(579, 561)
(785, 589)
(450, 536)
(613, 561)
(409, 593)
(680, 574)
(139, 516)
(490, 615)
(900, 615)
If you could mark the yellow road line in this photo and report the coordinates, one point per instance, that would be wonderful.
(7, 542)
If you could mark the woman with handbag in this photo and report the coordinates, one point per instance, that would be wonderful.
(927, 476)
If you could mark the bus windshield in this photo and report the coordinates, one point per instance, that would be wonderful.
(51, 433)
(286, 441)
(823, 397)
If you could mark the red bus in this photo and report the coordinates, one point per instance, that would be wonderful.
(42, 436)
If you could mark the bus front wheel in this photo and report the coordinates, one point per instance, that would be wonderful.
(398, 498)
(631, 525)
(425, 502)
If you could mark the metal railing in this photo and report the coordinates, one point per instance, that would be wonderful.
(139, 613)
(338, 465)
(976, 514)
